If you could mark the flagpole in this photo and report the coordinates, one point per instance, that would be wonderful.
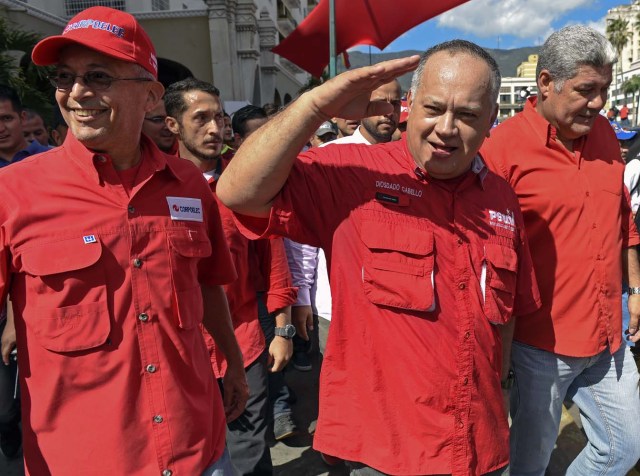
(332, 39)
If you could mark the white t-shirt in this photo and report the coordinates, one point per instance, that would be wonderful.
(631, 178)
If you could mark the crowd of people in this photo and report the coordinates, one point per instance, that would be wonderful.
(162, 262)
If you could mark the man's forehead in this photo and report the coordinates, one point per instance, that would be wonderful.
(73, 56)
(445, 66)
(197, 99)
(589, 73)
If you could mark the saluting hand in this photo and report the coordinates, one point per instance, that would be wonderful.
(347, 95)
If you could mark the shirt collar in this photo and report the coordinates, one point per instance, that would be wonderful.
(89, 160)
(359, 138)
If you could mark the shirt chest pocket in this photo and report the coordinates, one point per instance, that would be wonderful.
(186, 247)
(398, 266)
(499, 278)
(66, 305)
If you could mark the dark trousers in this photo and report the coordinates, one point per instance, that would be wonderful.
(9, 406)
(247, 435)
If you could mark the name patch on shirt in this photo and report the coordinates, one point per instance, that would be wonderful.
(89, 239)
(182, 208)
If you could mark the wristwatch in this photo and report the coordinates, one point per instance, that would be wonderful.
(508, 382)
(631, 290)
(288, 331)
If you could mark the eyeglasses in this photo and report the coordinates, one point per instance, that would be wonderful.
(96, 80)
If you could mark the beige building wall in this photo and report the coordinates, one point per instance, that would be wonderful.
(527, 69)
(193, 50)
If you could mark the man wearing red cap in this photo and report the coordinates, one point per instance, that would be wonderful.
(106, 250)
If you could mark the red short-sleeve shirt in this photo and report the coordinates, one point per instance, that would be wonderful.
(114, 372)
(578, 220)
(261, 266)
(421, 271)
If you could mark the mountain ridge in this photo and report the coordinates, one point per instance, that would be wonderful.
(508, 60)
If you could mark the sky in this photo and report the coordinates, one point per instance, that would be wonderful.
(504, 24)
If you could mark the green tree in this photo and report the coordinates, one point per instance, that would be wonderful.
(18, 71)
(631, 87)
(619, 34)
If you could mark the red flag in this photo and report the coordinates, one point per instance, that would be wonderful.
(358, 22)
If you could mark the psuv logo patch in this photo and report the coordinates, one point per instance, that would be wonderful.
(89, 239)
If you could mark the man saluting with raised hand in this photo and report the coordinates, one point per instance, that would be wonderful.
(428, 262)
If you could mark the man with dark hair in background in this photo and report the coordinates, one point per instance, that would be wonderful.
(14, 146)
(155, 127)
(227, 132)
(33, 127)
(59, 128)
(346, 127)
(195, 115)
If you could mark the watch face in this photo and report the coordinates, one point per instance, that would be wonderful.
(290, 330)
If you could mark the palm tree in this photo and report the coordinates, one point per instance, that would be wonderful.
(619, 34)
(632, 87)
(17, 70)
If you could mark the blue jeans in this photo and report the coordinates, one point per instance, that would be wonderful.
(605, 389)
(222, 467)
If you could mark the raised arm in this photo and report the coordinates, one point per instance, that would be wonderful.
(261, 166)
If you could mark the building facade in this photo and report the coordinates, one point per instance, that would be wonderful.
(226, 42)
(515, 90)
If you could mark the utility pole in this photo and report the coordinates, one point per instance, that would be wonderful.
(332, 39)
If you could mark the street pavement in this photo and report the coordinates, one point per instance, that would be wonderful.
(295, 457)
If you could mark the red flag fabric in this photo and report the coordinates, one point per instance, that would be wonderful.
(358, 22)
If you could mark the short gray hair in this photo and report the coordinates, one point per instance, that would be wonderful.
(571, 47)
(460, 46)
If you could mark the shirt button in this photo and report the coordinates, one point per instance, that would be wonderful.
(158, 419)
(167, 472)
(102, 158)
(151, 368)
(460, 424)
(465, 381)
(144, 317)
(131, 209)
(137, 263)
(459, 241)
(461, 286)
(467, 335)
(593, 226)
(587, 194)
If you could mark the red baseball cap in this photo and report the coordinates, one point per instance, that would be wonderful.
(108, 31)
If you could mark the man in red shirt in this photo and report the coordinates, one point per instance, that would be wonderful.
(427, 258)
(106, 251)
(155, 127)
(563, 161)
(195, 115)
